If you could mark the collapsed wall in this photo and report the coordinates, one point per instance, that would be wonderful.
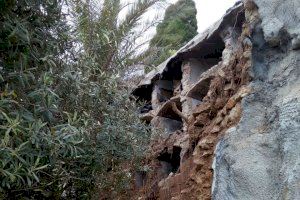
(228, 106)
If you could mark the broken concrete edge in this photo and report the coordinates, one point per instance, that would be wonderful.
(168, 104)
(210, 74)
(199, 39)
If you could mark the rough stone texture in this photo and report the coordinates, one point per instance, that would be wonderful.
(235, 114)
(260, 157)
(167, 125)
(278, 17)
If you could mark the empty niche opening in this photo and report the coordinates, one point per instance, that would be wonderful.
(200, 90)
(212, 49)
(170, 162)
(169, 125)
(199, 66)
(167, 110)
(170, 84)
(169, 119)
(143, 93)
(164, 90)
(143, 96)
(204, 56)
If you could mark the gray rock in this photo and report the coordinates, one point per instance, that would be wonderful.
(259, 159)
(279, 16)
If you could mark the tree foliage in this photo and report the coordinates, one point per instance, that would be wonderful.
(67, 127)
(177, 28)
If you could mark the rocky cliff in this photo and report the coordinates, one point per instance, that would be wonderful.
(228, 107)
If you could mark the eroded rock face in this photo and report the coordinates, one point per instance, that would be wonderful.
(228, 104)
(260, 157)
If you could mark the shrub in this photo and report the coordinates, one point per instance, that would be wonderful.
(67, 126)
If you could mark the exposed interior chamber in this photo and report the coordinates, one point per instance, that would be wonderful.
(199, 66)
(200, 90)
(168, 125)
(170, 162)
(143, 95)
(167, 110)
(171, 78)
(164, 90)
(205, 56)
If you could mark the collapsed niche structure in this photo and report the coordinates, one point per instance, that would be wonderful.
(193, 97)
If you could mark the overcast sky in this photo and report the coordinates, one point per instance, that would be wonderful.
(210, 11)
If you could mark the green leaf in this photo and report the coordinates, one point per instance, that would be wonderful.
(41, 167)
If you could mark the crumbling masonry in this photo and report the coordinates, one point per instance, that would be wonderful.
(212, 96)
